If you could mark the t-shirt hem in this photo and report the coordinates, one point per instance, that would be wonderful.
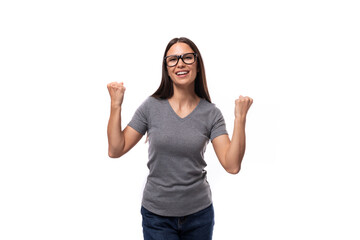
(218, 134)
(167, 214)
(134, 126)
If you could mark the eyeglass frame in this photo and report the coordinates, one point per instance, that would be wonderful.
(180, 56)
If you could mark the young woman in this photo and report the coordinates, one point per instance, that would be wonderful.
(179, 119)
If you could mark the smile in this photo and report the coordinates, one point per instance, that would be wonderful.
(182, 73)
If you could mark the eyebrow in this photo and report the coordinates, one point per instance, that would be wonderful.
(178, 55)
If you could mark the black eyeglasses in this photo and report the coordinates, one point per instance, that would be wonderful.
(187, 58)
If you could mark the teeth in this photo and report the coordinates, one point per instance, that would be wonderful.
(181, 73)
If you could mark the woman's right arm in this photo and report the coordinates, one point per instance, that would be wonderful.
(120, 142)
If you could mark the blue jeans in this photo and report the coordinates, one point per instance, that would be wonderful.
(197, 226)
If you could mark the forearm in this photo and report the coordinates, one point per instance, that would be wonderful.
(236, 150)
(115, 135)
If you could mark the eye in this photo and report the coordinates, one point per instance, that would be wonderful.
(171, 59)
(188, 56)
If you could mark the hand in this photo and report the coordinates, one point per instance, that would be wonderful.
(242, 105)
(116, 91)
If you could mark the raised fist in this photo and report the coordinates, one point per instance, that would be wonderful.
(116, 91)
(242, 105)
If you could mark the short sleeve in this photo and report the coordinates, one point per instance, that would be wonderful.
(139, 121)
(219, 127)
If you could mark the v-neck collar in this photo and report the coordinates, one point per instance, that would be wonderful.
(187, 116)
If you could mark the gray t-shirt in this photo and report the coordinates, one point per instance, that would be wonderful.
(176, 185)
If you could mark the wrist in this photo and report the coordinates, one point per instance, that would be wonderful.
(240, 119)
(115, 106)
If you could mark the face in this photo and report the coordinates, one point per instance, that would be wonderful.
(182, 74)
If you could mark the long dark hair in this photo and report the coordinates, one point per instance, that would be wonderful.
(166, 89)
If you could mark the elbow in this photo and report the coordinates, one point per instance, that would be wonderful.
(114, 154)
(111, 155)
(233, 167)
(233, 171)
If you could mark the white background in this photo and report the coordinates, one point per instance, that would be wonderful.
(298, 60)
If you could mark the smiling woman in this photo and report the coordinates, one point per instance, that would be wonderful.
(180, 120)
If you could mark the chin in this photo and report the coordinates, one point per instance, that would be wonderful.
(184, 83)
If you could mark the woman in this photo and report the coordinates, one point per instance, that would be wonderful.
(180, 120)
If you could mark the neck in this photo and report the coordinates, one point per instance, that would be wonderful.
(184, 96)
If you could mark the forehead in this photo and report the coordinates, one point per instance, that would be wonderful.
(179, 49)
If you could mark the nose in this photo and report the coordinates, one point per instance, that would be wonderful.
(180, 63)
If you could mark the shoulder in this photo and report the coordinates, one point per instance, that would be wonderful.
(209, 113)
(210, 107)
(152, 101)
(208, 104)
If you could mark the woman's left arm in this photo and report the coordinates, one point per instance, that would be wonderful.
(231, 153)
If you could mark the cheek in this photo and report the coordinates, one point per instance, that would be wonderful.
(193, 76)
(169, 72)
